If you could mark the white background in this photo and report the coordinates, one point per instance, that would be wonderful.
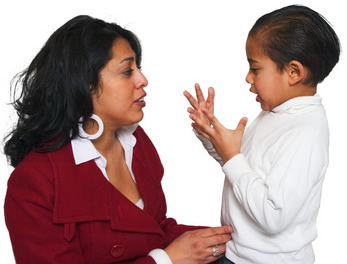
(186, 42)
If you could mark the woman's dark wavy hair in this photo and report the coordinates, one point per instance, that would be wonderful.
(56, 87)
(298, 33)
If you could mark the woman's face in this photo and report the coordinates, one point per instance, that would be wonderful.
(120, 95)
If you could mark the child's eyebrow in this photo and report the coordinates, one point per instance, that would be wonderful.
(250, 60)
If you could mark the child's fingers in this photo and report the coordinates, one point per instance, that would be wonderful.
(201, 123)
(199, 94)
(190, 110)
(198, 117)
(201, 131)
(210, 98)
(213, 120)
(242, 124)
(191, 100)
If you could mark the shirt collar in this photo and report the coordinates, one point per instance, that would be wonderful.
(297, 103)
(83, 149)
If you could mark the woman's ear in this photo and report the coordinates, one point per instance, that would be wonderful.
(296, 72)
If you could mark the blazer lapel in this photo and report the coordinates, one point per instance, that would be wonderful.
(83, 194)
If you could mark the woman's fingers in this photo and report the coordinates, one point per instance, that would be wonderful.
(215, 231)
(199, 246)
(218, 251)
(217, 237)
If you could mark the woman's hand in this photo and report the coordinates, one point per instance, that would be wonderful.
(198, 246)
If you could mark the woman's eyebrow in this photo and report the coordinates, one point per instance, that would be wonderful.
(128, 59)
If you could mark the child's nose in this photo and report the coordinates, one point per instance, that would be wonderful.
(249, 78)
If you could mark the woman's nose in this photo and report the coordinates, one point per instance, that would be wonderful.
(142, 81)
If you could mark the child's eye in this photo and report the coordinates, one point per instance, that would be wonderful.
(253, 69)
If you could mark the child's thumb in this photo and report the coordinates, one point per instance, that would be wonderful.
(242, 124)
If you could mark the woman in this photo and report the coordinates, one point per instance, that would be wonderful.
(86, 185)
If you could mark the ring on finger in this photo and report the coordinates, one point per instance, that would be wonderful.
(215, 251)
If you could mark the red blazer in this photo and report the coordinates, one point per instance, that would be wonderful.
(57, 212)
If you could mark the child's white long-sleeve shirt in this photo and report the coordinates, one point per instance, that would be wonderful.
(272, 190)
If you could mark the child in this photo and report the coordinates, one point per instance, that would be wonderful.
(274, 179)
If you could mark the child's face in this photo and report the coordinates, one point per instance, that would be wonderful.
(267, 82)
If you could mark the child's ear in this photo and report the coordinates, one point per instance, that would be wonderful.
(296, 72)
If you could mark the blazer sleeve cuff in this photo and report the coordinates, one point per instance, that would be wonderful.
(160, 256)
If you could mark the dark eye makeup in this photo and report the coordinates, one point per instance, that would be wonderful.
(128, 72)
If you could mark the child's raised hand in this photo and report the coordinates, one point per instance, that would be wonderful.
(200, 102)
(227, 142)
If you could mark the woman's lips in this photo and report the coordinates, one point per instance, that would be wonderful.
(141, 102)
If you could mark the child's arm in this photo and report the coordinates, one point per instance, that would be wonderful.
(294, 180)
(198, 104)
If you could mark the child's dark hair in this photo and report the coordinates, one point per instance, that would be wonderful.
(56, 87)
(298, 33)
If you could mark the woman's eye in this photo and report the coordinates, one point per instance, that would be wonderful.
(128, 72)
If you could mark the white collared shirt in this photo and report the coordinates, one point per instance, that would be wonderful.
(83, 151)
(272, 190)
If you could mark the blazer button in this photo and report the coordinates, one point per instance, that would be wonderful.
(117, 251)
